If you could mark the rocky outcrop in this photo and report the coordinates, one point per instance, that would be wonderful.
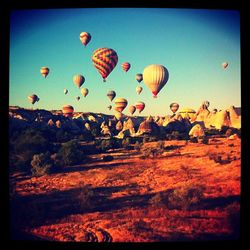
(149, 126)
(197, 131)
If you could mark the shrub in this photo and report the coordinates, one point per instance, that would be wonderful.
(137, 146)
(62, 136)
(159, 200)
(204, 140)
(84, 197)
(194, 139)
(185, 196)
(71, 154)
(41, 164)
(108, 158)
(107, 144)
(126, 143)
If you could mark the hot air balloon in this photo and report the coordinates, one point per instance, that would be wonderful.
(65, 91)
(224, 65)
(138, 90)
(131, 109)
(120, 104)
(111, 95)
(155, 77)
(174, 107)
(84, 91)
(33, 98)
(85, 38)
(140, 106)
(126, 66)
(139, 77)
(78, 80)
(68, 110)
(104, 60)
(109, 107)
(44, 71)
(78, 98)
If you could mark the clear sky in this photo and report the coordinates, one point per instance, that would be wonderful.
(191, 44)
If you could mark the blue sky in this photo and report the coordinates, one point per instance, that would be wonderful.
(191, 44)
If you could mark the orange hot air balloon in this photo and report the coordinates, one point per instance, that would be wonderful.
(126, 66)
(78, 80)
(138, 90)
(140, 106)
(139, 77)
(155, 77)
(84, 91)
(224, 65)
(174, 107)
(33, 98)
(131, 109)
(111, 95)
(85, 38)
(104, 60)
(68, 110)
(44, 71)
(120, 104)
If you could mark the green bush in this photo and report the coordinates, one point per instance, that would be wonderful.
(107, 144)
(70, 153)
(185, 196)
(41, 164)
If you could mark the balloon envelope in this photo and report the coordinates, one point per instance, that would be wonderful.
(85, 38)
(120, 104)
(174, 107)
(155, 77)
(140, 106)
(126, 66)
(67, 110)
(224, 65)
(111, 95)
(139, 77)
(109, 107)
(65, 91)
(33, 98)
(105, 60)
(44, 71)
(138, 90)
(78, 80)
(84, 91)
(132, 109)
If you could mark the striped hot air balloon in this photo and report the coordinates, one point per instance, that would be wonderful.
(67, 110)
(85, 38)
(78, 80)
(84, 91)
(104, 60)
(33, 98)
(138, 90)
(120, 104)
(111, 95)
(126, 66)
(131, 109)
(139, 77)
(140, 106)
(44, 71)
(155, 77)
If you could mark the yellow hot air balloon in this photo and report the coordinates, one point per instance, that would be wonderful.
(104, 60)
(224, 65)
(126, 66)
(174, 107)
(68, 110)
(140, 106)
(155, 77)
(85, 38)
(131, 109)
(44, 71)
(111, 95)
(78, 80)
(120, 104)
(187, 112)
(33, 98)
(84, 91)
(139, 77)
(138, 90)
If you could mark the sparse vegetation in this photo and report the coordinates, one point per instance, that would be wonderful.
(217, 157)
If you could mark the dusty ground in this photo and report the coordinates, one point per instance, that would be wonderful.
(51, 207)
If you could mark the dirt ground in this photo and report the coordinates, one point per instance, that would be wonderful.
(120, 209)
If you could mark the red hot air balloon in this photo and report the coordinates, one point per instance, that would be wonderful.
(85, 38)
(140, 106)
(105, 60)
(68, 111)
(126, 66)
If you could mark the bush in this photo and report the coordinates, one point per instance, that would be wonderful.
(71, 154)
(126, 143)
(185, 196)
(107, 144)
(194, 139)
(41, 164)
(62, 136)
(137, 146)
(204, 140)
(159, 200)
(84, 197)
(108, 158)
